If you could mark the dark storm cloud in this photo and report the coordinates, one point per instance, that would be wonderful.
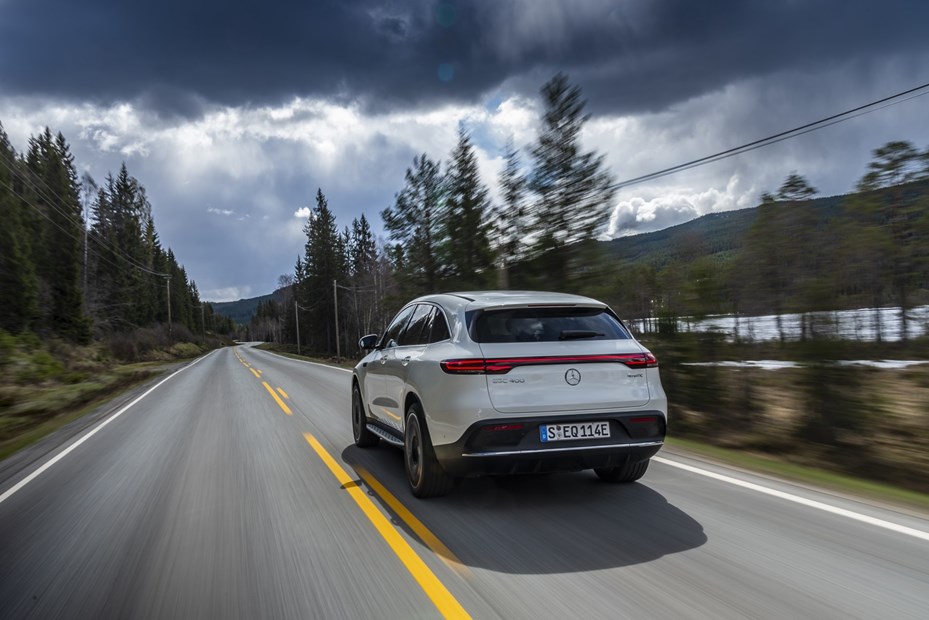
(176, 57)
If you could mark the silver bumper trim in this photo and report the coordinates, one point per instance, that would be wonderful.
(644, 444)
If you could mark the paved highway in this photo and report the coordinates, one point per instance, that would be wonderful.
(233, 490)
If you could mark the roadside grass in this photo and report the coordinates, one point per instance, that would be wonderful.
(289, 351)
(45, 385)
(826, 480)
(38, 412)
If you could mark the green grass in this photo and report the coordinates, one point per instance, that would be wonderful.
(45, 411)
(799, 473)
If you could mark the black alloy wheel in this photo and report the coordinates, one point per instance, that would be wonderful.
(425, 474)
(364, 438)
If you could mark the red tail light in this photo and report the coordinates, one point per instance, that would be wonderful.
(463, 367)
(503, 365)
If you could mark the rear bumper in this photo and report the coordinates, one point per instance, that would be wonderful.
(483, 449)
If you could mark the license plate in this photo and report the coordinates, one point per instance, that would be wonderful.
(566, 432)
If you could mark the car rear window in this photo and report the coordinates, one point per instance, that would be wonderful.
(546, 325)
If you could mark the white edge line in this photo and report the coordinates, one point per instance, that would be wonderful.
(94, 431)
(302, 361)
(888, 525)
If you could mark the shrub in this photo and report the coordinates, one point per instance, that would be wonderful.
(7, 347)
(41, 367)
(185, 349)
(29, 341)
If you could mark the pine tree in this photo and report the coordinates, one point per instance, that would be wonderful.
(59, 246)
(892, 219)
(467, 257)
(17, 272)
(362, 270)
(509, 224)
(414, 224)
(573, 188)
(323, 264)
(363, 249)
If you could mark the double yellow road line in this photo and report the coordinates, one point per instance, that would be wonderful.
(447, 604)
(444, 601)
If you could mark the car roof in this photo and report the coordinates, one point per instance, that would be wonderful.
(485, 299)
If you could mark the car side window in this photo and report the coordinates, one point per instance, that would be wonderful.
(439, 327)
(417, 330)
(392, 335)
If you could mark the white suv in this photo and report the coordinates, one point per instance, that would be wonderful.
(509, 382)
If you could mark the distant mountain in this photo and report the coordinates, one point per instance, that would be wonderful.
(718, 234)
(240, 311)
(721, 234)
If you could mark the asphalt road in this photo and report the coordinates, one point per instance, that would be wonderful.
(204, 499)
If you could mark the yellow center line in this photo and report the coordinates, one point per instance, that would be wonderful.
(283, 393)
(447, 604)
(277, 398)
(257, 376)
(445, 554)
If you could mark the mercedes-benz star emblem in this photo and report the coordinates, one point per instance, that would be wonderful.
(572, 377)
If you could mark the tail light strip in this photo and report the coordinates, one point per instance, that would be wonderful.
(503, 365)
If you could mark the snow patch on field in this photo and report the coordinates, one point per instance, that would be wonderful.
(779, 364)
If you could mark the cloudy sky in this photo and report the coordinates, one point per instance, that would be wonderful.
(233, 113)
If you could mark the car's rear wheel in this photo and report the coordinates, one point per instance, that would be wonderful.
(630, 472)
(364, 438)
(425, 474)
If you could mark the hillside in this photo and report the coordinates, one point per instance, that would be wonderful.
(722, 233)
(240, 311)
(716, 233)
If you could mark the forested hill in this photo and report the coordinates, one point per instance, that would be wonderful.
(717, 234)
(240, 311)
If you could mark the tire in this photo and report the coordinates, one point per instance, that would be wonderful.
(630, 472)
(363, 437)
(423, 471)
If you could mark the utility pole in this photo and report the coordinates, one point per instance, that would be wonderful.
(85, 253)
(335, 297)
(202, 320)
(297, 323)
(168, 288)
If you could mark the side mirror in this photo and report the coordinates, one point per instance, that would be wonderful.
(368, 342)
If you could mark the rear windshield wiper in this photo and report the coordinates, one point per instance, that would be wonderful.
(575, 334)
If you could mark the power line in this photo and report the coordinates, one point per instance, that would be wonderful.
(73, 220)
(906, 95)
(71, 234)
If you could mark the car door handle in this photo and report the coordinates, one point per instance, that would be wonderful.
(405, 360)
(383, 359)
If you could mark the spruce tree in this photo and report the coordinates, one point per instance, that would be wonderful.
(509, 220)
(323, 262)
(466, 253)
(892, 217)
(17, 271)
(55, 190)
(572, 188)
(362, 269)
(414, 224)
